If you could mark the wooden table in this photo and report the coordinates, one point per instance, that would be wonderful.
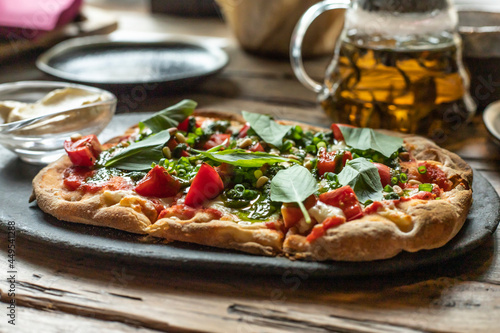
(63, 291)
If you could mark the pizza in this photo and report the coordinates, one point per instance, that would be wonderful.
(263, 186)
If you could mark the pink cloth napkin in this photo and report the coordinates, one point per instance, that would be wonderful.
(28, 18)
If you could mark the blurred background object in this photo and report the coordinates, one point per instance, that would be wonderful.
(479, 26)
(27, 19)
(193, 8)
(88, 21)
(265, 27)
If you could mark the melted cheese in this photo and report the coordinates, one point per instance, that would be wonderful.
(402, 220)
(321, 211)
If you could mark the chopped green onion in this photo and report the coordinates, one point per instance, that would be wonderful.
(311, 149)
(391, 196)
(394, 180)
(321, 144)
(425, 187)
(388, 189)
(249, 194)
(422, 169)
(287, 145)
(403, 177)
(330, 176)
(239, 188)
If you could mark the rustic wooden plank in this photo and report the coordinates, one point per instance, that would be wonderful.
(48, 321)
(435, 299)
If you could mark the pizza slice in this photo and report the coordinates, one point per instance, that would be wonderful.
(261, 186)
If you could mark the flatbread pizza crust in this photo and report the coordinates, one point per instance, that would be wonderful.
(413, 226)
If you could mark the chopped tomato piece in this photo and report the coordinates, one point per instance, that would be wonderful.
(74, 177)
(337, 133)
(345, 199)
(292, 213)
(182, 212)
(320, 229)
(423, 195)
(257, 147)
(159, 207)
(332, 161)
(84, 151)
(184, 125)
(117, 183)
(373, 208)
(217, 139)
(244, 130)
(434, 174)
(384, 172)
(206, 185)
(158, 183)
(346, 157)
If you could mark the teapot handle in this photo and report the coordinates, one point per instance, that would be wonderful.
(298, 36)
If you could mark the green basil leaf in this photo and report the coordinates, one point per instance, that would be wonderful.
(294, 184)
(139, 155)
(242, 158)
(366, 138)
(169, 117)
(269, 130)
(364, 179)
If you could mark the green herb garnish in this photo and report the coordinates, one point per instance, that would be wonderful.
(366, 138)
(169, 117)
(242, 158)
(294, 184)
(139, 155)
(265, 127)
(364, 179)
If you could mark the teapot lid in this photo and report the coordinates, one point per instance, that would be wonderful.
(403, 6)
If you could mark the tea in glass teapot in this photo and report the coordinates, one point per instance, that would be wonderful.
(397, 65)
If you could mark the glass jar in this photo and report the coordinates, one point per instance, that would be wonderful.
(397, 65)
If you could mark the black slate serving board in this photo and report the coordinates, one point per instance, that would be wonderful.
(32, 223)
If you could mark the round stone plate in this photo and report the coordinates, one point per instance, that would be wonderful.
(32, 223)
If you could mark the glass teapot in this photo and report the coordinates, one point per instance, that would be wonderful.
(397, 65)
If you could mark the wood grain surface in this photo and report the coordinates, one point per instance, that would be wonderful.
(65, 291)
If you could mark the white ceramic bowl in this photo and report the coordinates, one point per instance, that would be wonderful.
(40, 140)
(491, 118)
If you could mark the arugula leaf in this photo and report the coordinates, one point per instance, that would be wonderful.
(242, 158)
(169, 117)
(366, 138)
(294, 184)
(364, 179)
(139, 155)
(269, 130)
